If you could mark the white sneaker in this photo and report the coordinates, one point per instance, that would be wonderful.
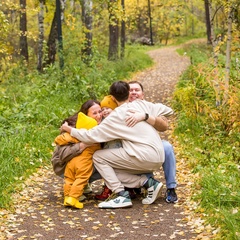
(117, 202)
(154, 192)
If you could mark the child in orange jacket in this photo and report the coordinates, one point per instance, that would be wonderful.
(79, 169)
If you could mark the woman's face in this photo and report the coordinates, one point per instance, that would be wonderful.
(95, 112)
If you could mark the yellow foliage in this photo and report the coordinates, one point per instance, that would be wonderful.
(188, 99)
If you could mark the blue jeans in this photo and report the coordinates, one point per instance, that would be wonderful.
(169, 166)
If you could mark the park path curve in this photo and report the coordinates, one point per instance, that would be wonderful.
(39, 213)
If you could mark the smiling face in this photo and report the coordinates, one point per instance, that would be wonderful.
(95, 112)
(135, 92)
(106, 111)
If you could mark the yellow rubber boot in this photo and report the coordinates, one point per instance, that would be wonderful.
(71, 201)
(65, 201)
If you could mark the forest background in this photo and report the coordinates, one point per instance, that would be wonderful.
(54, 55)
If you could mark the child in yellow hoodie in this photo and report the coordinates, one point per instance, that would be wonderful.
(79, 169)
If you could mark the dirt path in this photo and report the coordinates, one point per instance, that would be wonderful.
(39, 212)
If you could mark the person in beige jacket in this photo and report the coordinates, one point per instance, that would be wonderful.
(142, 150)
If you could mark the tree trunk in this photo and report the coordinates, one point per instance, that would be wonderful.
(62, 9)
(23, 30)
(192, 11)
(52, 47)
(186, 20)
(123, 27)
(228, 54)
(113, 32)
(59, 32)
(87, 20)
(214, 42)
(150, 22)
(41, 36)
(208, 24)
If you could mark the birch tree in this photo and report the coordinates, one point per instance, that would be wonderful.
(228, 54)
(227, 8)
(232, 10)
(214, 41)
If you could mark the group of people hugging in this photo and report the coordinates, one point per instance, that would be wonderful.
(116, 140)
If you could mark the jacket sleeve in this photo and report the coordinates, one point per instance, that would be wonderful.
(62, 155)
(103, 132)
(64, 139)
(162, 110)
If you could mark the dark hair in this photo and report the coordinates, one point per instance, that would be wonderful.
(85, 106)
(136, 82)
(72, 120)
(120, 90)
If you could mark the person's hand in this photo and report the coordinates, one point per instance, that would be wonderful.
(65, 128)
(133, 117)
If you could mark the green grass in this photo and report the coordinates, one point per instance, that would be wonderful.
(210, 141)
(220, 197)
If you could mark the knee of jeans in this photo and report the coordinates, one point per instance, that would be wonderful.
(167, 146)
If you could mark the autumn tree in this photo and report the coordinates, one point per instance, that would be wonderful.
(220, 37)
(231, 10)
(114, 22)
(3, 37)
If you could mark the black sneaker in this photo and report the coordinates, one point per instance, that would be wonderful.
(171, 196)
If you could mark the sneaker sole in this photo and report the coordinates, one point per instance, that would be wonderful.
(154, 198)
(171, 201)
(123, 205)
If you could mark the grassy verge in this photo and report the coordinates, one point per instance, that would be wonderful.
(32, 105)
(209, 138)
